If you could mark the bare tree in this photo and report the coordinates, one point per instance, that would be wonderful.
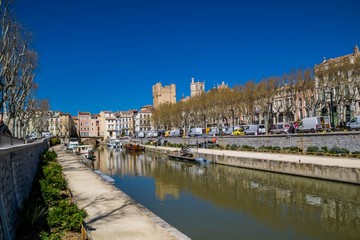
(40, 119)
(17, 75)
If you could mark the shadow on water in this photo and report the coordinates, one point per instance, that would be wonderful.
(282, 206)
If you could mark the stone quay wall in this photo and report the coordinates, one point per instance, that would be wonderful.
(18, 167)
(285, 166)
(332, 173)
(348, 140)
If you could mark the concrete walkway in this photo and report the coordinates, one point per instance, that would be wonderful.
(112, 214)
(310, 159)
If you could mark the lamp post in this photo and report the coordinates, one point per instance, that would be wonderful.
(331, 111)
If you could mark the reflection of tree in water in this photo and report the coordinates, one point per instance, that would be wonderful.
(282, 201)
(310, 206)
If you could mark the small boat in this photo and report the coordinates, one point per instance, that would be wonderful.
(134, 147)
(114, 143)
(202, 161)
(199, 160)
(85, 150)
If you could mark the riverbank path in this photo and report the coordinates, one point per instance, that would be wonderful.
(111, 213)
(296, 158)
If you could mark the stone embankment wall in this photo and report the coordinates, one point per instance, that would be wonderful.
(18, 167)
(348, 140)
(285, 166)
(320, 171)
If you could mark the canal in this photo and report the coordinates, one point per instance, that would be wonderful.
(220, 202)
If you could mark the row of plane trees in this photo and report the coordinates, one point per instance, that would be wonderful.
(290, 97)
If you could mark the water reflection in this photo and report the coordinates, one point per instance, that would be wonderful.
(306, 208)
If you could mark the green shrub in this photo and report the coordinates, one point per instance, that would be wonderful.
(276, 148)
(247, 147)
(48, 157)
(54, 141)
(233, 147)
(312, 149)
(324, 149)
(292, 149)
(62, 216)
(338, 150)
(51, 236)
(268, 148)
(66, 216)
(356, 152)
(49, 193)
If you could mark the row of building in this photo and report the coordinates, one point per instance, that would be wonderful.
(108, 124)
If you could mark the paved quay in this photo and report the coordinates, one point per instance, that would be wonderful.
(323, 167)
(112, 213)
(296, 158)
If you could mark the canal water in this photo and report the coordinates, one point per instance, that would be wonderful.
(221, 202)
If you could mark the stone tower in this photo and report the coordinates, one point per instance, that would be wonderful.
(196, 87)
(166, 94)
(356, 50)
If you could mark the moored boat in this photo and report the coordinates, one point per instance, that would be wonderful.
(134, 147)
(198, 160)
(85, 150)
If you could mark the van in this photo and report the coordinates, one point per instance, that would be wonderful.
(195, 132)
(312, 124)
(354, 123)
(213, 131)
(252, 129)
(227, 131)
(262, 129)
(141, 134)
(176, 133)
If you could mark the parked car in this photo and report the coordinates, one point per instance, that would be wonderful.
(282, 127)
(354, 123)
(167, 134)
(312, 124)
(238, 132)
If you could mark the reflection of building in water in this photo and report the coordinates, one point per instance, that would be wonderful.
(311, 207)
(313, 200)
(163, 190)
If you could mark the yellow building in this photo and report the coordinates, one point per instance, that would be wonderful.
(161, 95)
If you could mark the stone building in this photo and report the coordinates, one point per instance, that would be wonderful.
(107, 122)
(337, 82)
(142, 119)
(166, 94)
(125, 122)
(84, 123)
(196, 88)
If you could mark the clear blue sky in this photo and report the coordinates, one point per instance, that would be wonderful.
(106, 55)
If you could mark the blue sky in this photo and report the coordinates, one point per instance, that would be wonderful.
(106, 55)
